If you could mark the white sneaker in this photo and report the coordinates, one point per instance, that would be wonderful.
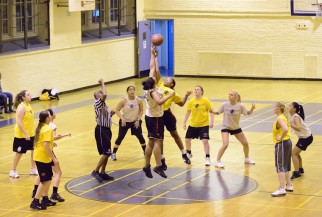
(113, 157)
(289, 188)
(249, 161)
(207, 161)
(189, 155)
(279, 193)
(33, 171)
(219, 164)
(13, 174)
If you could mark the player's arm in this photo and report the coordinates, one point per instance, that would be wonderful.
(104, 95)
(183, 102)
(297, 124)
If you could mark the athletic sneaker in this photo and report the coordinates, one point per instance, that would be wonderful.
(147, 171)
(57, 197)
(164, 166)
(296, 174)
(46, 202)
(289, 188)
(96, 175)
(159, 170)
(301, 170)
(113, 156)
(33, 171)
(249, 161)
(36, 205)
(106, 177)
(207, 163)
(186, 159)
(13, 174)
(219, 164)
(279, 193)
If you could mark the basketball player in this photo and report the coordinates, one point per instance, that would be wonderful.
(168, 117)
(132, 110)
(232, 110)
(304, 134)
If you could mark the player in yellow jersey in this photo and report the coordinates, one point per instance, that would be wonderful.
(170, 121)
(283, 149)
(199, 108)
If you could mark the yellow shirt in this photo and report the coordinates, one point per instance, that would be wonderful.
(27, 122)
(166, 91)
(199, 112)
(279, 131)
(46, 135)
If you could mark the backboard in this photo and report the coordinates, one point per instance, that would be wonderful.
(81, 5)
(306, 7)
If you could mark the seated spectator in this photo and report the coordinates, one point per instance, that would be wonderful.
(6, 100)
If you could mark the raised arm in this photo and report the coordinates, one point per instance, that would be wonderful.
(184, 99)
(251, 109)
(152, 63)
(104, 95)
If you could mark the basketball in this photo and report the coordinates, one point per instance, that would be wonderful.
(157, 39)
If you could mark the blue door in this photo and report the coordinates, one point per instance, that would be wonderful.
(166, 50)
(144, 48)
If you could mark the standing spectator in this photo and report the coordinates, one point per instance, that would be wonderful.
(232, 110)
(103, 133)
(6, 100)
(199, 107)
(24, 132)
(303, 133)
(45, 159)
(283, 149)
(132, 110)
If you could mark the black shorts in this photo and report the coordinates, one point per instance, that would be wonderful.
(103, 136)
(232, 132)
(283, 154)
(303, 143)
(198, 132)
(21, 145)
(45, 171)
(155, 127)
(170, 121)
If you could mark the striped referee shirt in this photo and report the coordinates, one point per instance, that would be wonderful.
(103, 113)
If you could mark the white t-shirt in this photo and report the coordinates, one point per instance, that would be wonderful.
(305, 131)
(152, 108)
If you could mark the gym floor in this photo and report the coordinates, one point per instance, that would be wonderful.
(189, 190)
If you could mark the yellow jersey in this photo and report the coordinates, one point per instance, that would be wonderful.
(166, 91)
(279, 131)
(199, 112)
(45, 135)
(27, 122)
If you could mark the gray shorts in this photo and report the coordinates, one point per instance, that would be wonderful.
(283, 154)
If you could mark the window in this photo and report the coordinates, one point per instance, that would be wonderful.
(111, 18)
(23, 24)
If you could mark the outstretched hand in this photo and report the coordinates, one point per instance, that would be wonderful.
(100, 81)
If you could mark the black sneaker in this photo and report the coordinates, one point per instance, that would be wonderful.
(186, 159)
(159, 170)
(33, 193)
(57, 197)
(147, 171)
(36, 205)
(106, 177)
(301, 170)
(296, 174)
(164, 166)
(46, 202)
(96, 175)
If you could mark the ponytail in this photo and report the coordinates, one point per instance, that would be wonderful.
(42, 119)
(299, 110)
